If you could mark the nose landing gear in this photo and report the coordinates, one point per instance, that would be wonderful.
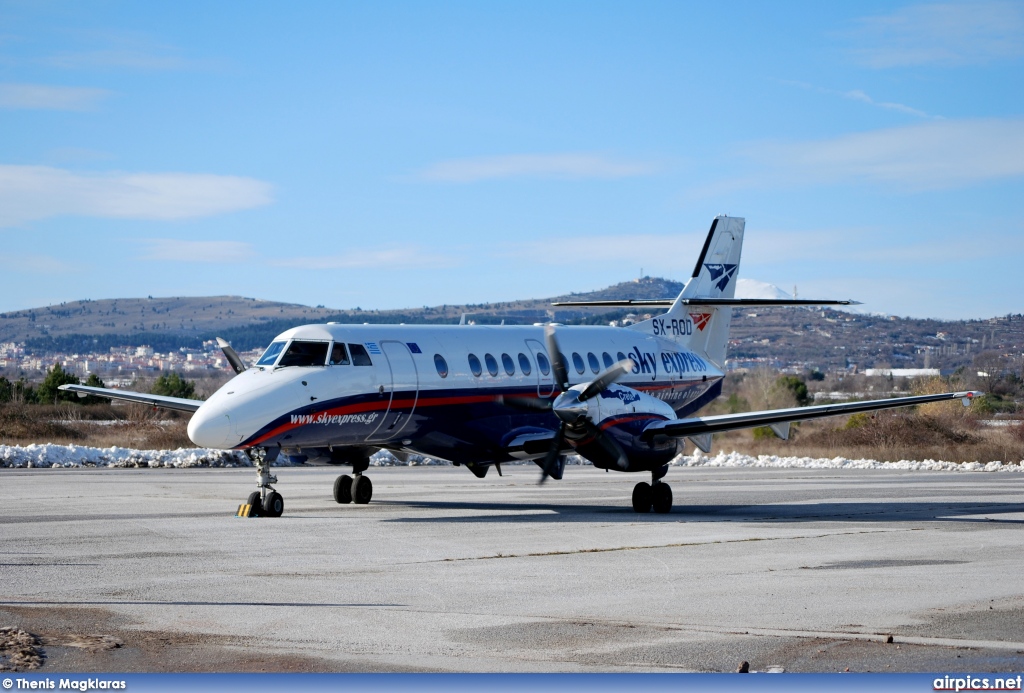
(266, 502)
(656, 495)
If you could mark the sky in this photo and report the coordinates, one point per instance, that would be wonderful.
(403, 154)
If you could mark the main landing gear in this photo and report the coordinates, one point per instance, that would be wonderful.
(356, 488)
(266, 502)
(656, 495)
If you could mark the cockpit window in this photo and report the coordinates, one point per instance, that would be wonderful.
(339, 357)
(359, 355)
(271, 354)
(304, 354)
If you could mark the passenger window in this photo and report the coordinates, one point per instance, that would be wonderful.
(359, 355)
(474, 365)
(620, 356)
(441, 365)
(305, 354)
(492, 364)
(524, 364)
(543, 364)
(506, 361)
(607, 358)
(592, 360)
(339, 356)
(577, 361)
(271, 354)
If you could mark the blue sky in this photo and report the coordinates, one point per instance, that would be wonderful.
(386, 155)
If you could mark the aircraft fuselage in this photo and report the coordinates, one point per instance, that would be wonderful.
(436, 390)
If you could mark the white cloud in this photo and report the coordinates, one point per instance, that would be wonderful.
(627, 249)
(118, 58)
(39, 192)
(404, 257)
(563, 166)
(174, 250)
(44, 97)
(858, 95)
(938, 154)
(20, 263)
(952, 33)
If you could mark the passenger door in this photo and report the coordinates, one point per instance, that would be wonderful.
(400, 381)
(545, 383)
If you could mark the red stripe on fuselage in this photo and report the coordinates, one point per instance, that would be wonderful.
(408, 403)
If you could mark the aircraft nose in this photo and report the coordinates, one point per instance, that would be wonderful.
(211, 429)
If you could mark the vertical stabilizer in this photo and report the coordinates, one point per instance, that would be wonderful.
(705, 328)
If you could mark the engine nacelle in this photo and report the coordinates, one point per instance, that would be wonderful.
(623, 413)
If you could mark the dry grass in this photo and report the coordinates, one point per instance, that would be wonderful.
(132, 426)
(891, 436)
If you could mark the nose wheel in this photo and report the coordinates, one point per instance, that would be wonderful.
(266, 502)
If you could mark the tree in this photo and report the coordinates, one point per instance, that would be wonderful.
(798, 387)
(6, 390)
(48, 392)
(93, 381)
(173, 385)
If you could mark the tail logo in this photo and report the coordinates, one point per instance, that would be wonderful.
(700, 320)
(721, 274)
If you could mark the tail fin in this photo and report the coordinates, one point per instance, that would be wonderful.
(705, 328)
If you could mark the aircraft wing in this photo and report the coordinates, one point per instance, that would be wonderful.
(779, 419)
(178, 403)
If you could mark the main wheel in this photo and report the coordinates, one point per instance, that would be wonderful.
(642, 497)
(273, 506)
(343, 489)
(362, 490)
(662, 498)
(256, 502)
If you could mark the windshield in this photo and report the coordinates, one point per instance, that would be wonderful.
(305, 354)
(271, 354)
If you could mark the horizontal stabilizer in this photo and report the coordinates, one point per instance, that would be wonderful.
(779, 419)
(738, 302)
(161, 401)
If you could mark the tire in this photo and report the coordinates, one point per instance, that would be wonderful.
(642, 497)
(257, 504)
(362, 490)
(274, 505)
(662, 498)
(343, 489)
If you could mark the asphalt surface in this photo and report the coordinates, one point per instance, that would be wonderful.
(801, 570)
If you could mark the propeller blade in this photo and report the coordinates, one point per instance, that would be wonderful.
(549, 466)
(609, 445)
(527, 403)
(557, 364)
(607, 377)
(231, 355)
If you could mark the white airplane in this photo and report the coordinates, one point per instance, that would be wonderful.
(624, 398)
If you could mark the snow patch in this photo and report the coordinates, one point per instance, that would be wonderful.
(751, 288)
(735, 459)
(66, 456)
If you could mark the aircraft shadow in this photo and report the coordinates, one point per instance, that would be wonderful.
(875, 511)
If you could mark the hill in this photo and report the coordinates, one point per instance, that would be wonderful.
(783, 337)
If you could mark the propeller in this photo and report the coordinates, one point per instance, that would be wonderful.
(231, 355)
(571, 409)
